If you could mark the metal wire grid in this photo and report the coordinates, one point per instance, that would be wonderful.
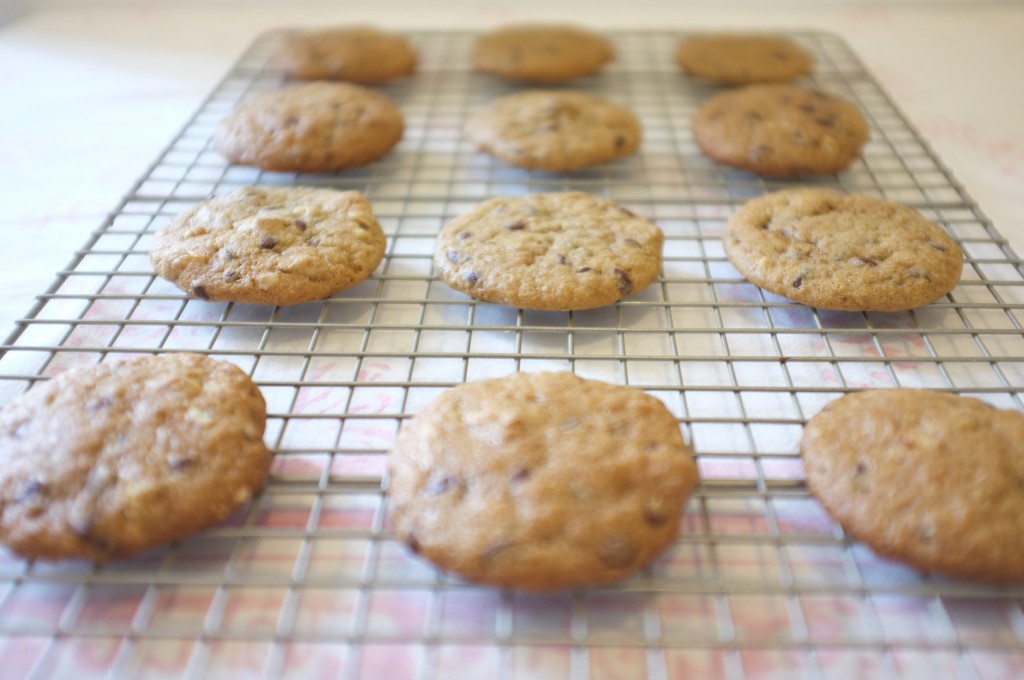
(305, 581)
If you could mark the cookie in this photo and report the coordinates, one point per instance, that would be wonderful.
(557, 251)
(310, 127)
(541, 53)
(540, 481)
(781, 130)
(742, 59)
(928, 478)
(357, 54)
(272, 246)
(554, 130)
(110, 460)
(842, 251)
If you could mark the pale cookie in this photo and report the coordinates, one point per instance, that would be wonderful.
(554, 130)
(310, 127)
(781, 130)
(842, 251)
(540, 481)
(558, 251)
(541, 53)
(110, 460)
(742, 59)
(928, 478)
(273, 246)
(357, 54)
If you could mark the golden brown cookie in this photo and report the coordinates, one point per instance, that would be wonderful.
(541, 53)
(781, 130)
(310, 127)
(554, 130)
(929, 478)
(357, 54)
(540, 481)
(842, 251)
(273, 246)
(742, 59)
(556, 251)
(110, 460)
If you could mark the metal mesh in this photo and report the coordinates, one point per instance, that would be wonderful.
(305, 582)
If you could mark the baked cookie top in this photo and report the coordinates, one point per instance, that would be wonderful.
(310, 127)
(540, 481)
(554, 130)
(929, 478)
(110, 460)
(742, 59)
(842, 251)
(781, 130)
(555, 251)
(273, 246)
(541, 53)
(357, 54)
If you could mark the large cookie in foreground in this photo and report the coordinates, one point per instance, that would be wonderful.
(110, 460)
(540, 481)
(842, 251)
(275, 246)
(554, 251)
(541, 53)
(928, 478)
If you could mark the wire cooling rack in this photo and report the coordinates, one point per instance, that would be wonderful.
(305, 582)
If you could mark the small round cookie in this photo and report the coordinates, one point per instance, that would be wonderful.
(554, 130)
(781, 130)
(742, 59)
(110, 460)
(540, 481)
(557, 251)
(357, 54)
(842, 251)
(310, 127)
(541, 53)
(929, 478)
(271, 246)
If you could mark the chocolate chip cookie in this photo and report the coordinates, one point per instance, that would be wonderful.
(310, 127)
(274, 246)
(742, 59)
(842, 251)
(555, 130)
(781, 130)
(541, 53)
(929, 478)
(110, 460)
(540, 481)
(556, 251)
(357, 54)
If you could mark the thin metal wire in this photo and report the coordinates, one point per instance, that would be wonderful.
(307, 582)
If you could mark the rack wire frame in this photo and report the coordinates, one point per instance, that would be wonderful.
(306, 582)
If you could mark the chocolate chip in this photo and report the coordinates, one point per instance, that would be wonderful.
(439, 484)
(516, 226)
(627, 211)
(100, 404)
(453, 256)
(862, 262)
(521, 475)
(583, 270)
(268, 243)
(620, 141)
(808, 108)
(413, 543)
(492, 553)
(561, 259)
(826, 121)
(625, 283)
(463, 235)
(180, 464)
(300, 225)
(230, 275)
(818, 94)
(200, 292)
(632, 242)
(938, 247)
(617, 553)
(471, 278)
(291, 121)
(30, 489)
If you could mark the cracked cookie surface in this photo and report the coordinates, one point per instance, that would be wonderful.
(929, 478)
(276, 246)
(741, 59)
(842, 251)
(554, 130)
(310, 127)
(540, 481)
(541, 53)
(357, 54)
(781, 130)
(110, 460)
(553, 251)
